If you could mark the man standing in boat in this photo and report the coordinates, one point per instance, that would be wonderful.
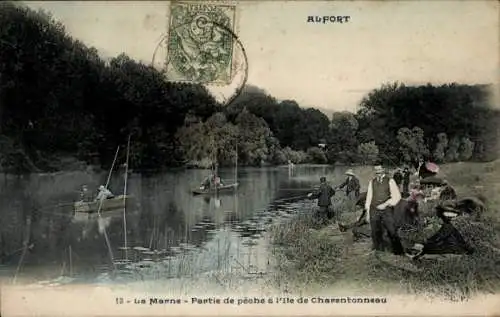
(104, 193)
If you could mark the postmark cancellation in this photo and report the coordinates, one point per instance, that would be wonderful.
(200, 44)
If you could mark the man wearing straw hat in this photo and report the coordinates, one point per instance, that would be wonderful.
(351, 184)
(381, 197)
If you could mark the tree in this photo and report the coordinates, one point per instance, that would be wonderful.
(466, 149)
(453, 109)
(368, 152)
(213, 141)
(440, 150)
(58, 98)
(412, 145)
(342, 143)
(316, 155)
(296, 157)
(254, 136)
(452, 151)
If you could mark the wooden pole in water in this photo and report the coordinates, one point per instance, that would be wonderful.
(124, 200)
(236, 193)
(25, 248)
(236, 165)
(218, 254)
(70, 262)
(100, 207)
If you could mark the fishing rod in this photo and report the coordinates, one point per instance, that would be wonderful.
(124, 199)
(101, 202)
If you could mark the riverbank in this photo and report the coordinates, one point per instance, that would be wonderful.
(314, 259)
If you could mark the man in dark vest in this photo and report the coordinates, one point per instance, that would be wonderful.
(382, 195)
(324, 196)
(351, 185)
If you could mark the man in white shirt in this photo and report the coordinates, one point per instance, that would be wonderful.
(381, 197)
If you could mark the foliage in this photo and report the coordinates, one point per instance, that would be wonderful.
(466, 149)
(342, 142)
(453, 109)
(412, 144)
(216, 140)
(452, 151)
(296, 157)
(58, 98)
(368, 152)
(316, 155)
(440, 150)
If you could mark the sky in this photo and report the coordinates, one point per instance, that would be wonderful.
(330, 66)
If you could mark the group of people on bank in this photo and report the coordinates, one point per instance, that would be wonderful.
(391, 215)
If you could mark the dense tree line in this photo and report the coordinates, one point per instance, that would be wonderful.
(447, 123)
(60, 99)
(394, 124)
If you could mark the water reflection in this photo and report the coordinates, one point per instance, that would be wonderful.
(165, 222)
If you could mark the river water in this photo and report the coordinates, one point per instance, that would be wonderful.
(170, 232)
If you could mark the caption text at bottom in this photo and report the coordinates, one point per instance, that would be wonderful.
(252, 300)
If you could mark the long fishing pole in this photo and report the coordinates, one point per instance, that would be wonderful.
(25, 248)
(124, 199)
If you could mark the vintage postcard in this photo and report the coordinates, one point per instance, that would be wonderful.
(166, 158)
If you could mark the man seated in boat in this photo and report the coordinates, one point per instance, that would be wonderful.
(85, 195)
(104, 193)
(210, 181)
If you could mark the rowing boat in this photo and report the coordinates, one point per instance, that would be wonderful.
(117, 202)
(220, 190)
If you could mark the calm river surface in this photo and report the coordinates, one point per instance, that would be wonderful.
(170, 232)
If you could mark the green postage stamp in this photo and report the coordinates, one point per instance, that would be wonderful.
(200, 43)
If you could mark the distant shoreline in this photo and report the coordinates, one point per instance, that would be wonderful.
(97, 169)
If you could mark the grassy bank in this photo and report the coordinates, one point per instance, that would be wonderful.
(313, 260)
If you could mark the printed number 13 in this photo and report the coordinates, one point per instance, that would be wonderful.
(119, 300)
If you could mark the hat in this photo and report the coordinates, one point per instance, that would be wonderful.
(102, 187)
(322, 179)
(379, 169)
(349, 172)
(447, 209)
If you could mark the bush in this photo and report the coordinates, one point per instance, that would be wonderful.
(368, 152)
(316, 155)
